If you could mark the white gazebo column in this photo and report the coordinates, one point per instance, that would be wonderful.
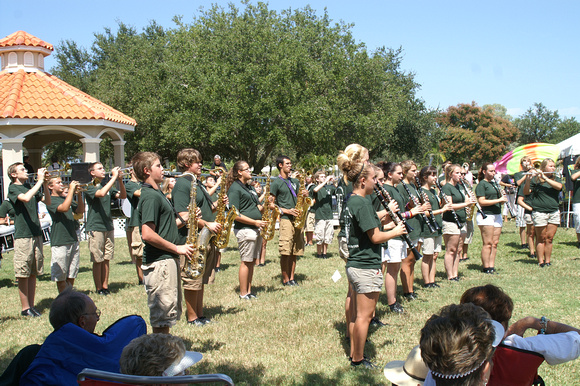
(35, 158)
(91, 148)
(11, 153)
(119, 152)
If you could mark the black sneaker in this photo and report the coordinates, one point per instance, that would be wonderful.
(29, 312)
(435, 285)
(204, 320)
(324, 256)
(197, 322)
(245, 297)
(106, 291)
(377, 323)
(365, 363)
(35, 311)
(396, 308)
(217, 269)
(548, 264)
(293, 283)
(409, 296)
(252, 296)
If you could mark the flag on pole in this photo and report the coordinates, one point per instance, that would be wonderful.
(510, 163)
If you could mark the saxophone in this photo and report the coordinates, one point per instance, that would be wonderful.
(302, 204)
(195, 265)
(223, 236)
(269, 215)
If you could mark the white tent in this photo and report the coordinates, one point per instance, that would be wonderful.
(570, 146)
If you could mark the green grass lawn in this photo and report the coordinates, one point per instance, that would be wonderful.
(295, 335)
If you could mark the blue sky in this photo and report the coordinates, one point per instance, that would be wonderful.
(514, 53)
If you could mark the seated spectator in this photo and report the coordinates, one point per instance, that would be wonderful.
(457, 345)
(74, 346)
(157, 355)
(411, 372)
(517, 359)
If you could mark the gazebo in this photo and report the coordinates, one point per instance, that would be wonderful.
(37, 108)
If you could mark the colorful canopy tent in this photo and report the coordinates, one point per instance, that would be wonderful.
(510, 163)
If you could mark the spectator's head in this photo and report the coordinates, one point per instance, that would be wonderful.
(411, 372)
(25, 159)
(74, 307)
(217, 160)
(457, 345)
(492, 299)
(157, 355)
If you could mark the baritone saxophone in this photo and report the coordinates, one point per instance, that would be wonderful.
(269, 215)
(302, 203)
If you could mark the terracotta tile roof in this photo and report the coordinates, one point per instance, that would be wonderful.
(43, 96)
(21, 38)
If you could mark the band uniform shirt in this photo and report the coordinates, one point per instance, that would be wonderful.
(284, 196)
(527, 198)
(131, 187)
(155, 208)
(245, 199)
(360, 217)
(26, 222)
(490, 192)
(6, 208)
(323, 205)
(453, 193)
(545, 199)
(576, 196)
(99, 216)
(181, 199)
(396, 195)
(64, 227)
(435, 205)
(415, 222)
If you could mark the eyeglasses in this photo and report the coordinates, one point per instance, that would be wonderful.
(463, 174)
(97, 312)
(246, 169)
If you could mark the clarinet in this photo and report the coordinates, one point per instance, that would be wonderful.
(444, 197)
(386, 194)
(472, 196)
(423, 197)
(397, 218)
(503, 194)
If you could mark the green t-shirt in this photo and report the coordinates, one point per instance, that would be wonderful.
(99, 216)
(576, 196)
(131, 187)
(64, 227)
(245, 199)
(545, 199)
(456, 197)
(6, 208)
(360, 217)
(343, 191)
(401, 202)
(155, 207)
(518, 176)
(490, 192)
(181, 199)
(435, 205)
(527, 198)
(285, 197)
(323, 205)
(416, 222)
(26, 222)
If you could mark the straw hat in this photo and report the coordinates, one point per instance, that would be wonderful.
(411, 372)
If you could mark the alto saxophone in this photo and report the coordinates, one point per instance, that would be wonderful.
(222, 237)
(269, 215)
(302, 204)
(195, 265)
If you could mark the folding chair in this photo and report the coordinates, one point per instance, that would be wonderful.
(90, 377)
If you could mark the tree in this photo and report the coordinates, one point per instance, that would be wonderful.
(474, 134)
(499, 110)
(566, 129)
(537, 124)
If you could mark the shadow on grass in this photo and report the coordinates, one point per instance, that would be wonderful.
(223, 266)
(299, 277)
(44, 304)
(573, 244)
(7, 283)
(210, 312)
(515, 245)
(257, 289)
(125, 262)
(528, 260)
(203, 346)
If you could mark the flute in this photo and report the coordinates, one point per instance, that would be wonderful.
(457, 222)
(472, 196)
(397, 218)
(423, 197)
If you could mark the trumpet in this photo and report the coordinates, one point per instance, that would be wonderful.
(218, 170)
(85, 187)
(124, 171)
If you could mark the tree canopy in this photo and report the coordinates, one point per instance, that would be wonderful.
(474, 134)
(251, 83)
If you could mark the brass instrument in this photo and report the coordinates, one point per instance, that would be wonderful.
(302, 203)
(269, 215)
(223, 236)
(194, 266)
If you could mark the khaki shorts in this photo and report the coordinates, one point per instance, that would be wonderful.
(28, 257)
(101, 246)
(469, 235)
(291, 240)
(323, 232)
(543, 219)
(528, 219)
(450, 228)
(432, 245)
(249, 243)
(343, 248)
(208, 276)
(365, 281)
(310, 222)
(163, 288)
(64, 262)
(135, 242)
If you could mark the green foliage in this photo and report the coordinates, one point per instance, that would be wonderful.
(499, 110)
(252, 83)
(566, 129)
(65, 151)
(537, 124)
(474, 134)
